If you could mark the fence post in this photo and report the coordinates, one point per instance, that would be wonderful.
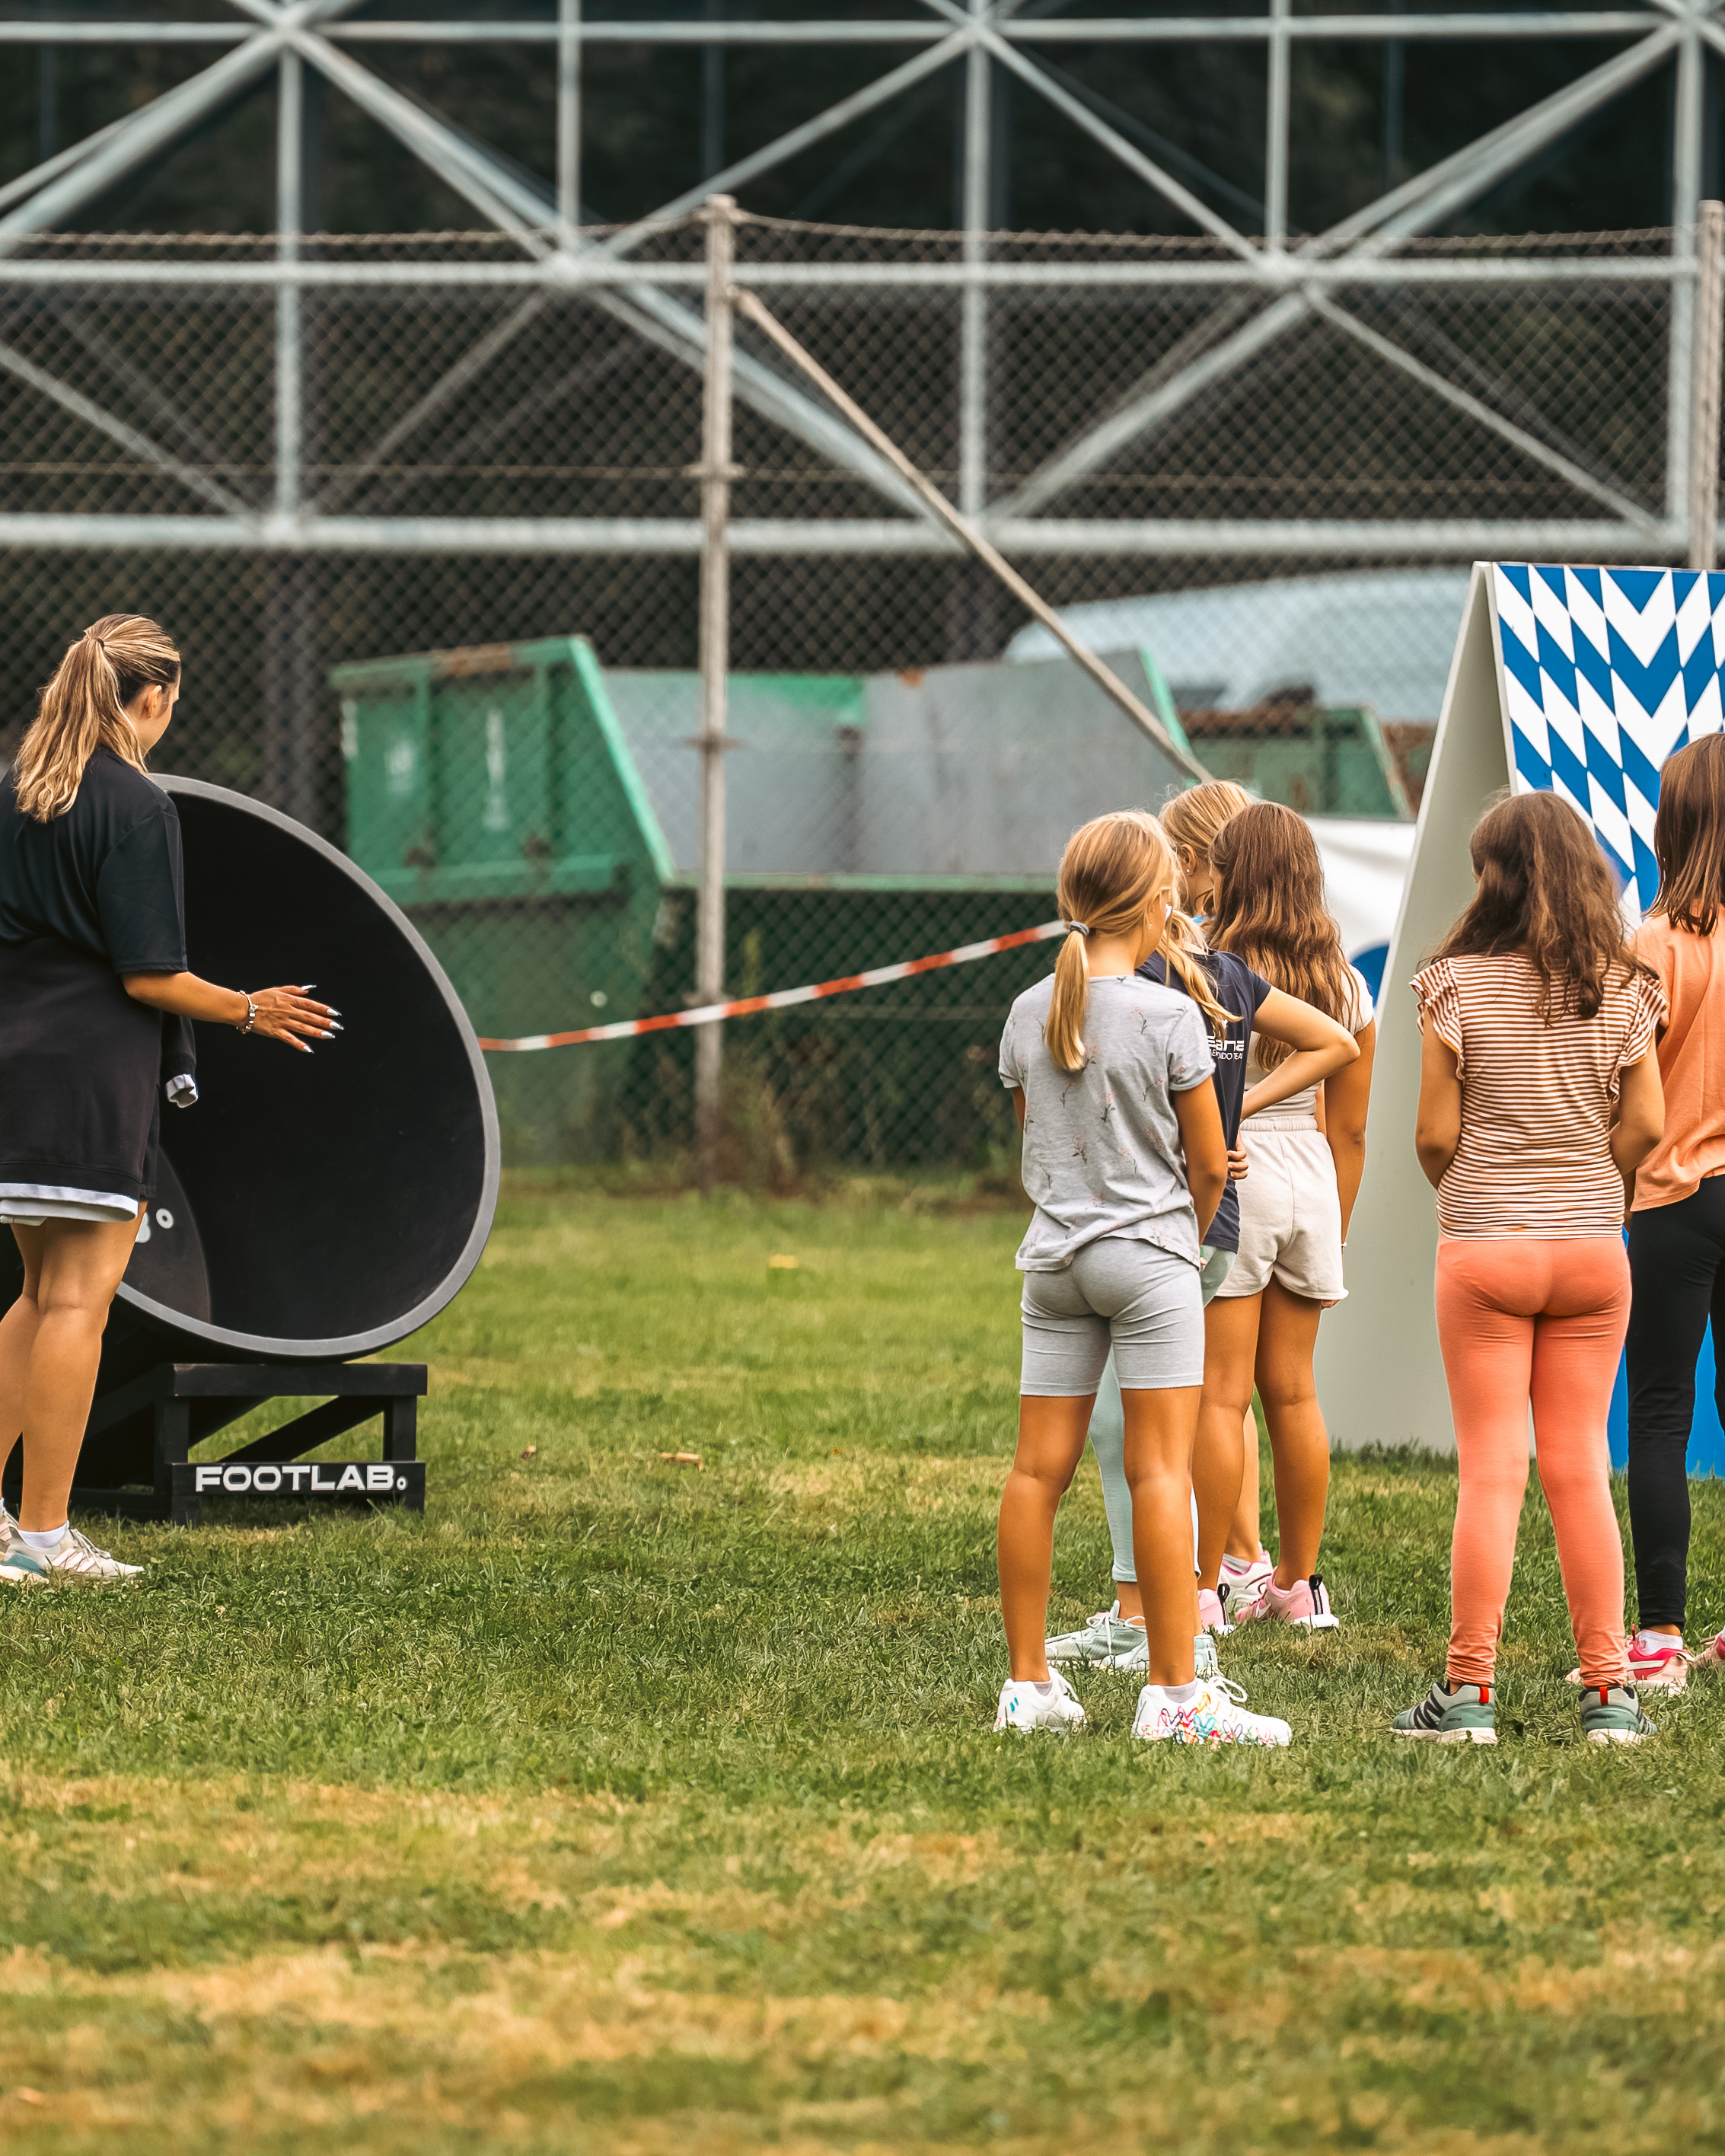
(715, 475)
(1709, 355)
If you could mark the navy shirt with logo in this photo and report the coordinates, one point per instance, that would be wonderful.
(1238, 989)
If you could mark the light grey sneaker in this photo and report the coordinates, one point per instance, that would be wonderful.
(75, 1560)
(1611, 1714)
(1464, 1715)
(1105, 1641)
(1110, 1642)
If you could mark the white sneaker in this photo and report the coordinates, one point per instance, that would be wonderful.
(1026, 1706)
(1212, 1716)
(19, 1565)
(75, 1559)
(1241, 1584)
(1105, 1641)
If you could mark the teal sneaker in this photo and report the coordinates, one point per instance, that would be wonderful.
(1611, 1714)
(1465, 1715)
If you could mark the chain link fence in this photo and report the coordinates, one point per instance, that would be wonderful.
(439, 597)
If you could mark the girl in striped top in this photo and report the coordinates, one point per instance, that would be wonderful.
(1539, 1097)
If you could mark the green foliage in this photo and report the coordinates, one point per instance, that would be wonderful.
(622, 1805)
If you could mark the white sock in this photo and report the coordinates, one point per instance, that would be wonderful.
(1045, 1686)
(1659, 1643)
(1179, 1695)
(39, 1540)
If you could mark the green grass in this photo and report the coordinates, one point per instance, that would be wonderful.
(621, 1806)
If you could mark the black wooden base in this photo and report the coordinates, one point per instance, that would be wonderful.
(147, 1430)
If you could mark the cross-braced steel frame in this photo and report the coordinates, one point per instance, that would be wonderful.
(1285, 281)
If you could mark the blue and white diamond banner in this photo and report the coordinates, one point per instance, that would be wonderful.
(1605, 672)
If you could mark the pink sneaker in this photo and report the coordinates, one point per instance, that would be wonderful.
(1657, 1662)
(1211, 1616)
(1306, 1605)
(1711, 1657)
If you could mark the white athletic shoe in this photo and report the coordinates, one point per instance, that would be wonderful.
(19, 1564)
(1112, 1642)
(75, 1559)
(1240, 1583)
(1025, 1706)
(1213, 1715)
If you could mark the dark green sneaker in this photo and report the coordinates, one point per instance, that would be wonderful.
(1465, 1715)
(1611, 1714)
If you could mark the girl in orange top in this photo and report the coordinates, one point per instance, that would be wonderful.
(1676, 1237)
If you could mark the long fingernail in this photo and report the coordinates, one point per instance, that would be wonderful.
(326, 1036)
(334, 1030)
(334, 1013)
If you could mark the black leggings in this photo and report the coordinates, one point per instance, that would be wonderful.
(1678, 1264)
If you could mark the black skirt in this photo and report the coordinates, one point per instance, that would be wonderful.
(80, 1062)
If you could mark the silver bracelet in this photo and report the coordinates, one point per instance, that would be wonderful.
(251, 1015)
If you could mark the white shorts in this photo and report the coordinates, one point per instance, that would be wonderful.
(1290, 1213)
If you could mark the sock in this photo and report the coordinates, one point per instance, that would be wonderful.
(1236, 1565)
(1659, 1643)
(41, 1541)
(1179, 1695)
(1045, 1687)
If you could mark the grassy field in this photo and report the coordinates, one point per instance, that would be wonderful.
(621, 1806)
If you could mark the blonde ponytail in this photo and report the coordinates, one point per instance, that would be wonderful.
(1109, 873)
(83, 709)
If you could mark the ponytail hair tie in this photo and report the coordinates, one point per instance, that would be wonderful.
(1079, 927)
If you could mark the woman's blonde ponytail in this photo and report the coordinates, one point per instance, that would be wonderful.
(83, 709)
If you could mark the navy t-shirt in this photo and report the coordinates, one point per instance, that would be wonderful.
(105, 876)
(1236, 987)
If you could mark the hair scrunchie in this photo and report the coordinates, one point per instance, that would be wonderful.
(1079, 927)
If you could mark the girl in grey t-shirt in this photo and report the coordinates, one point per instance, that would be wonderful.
(1125, 1161)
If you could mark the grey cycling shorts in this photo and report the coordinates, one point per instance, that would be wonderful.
(1143, 1302)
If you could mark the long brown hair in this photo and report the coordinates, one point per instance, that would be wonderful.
(1193, 818)
(1109, 873)
(83, 709)
(1689, 836)
(1545, 893)
(1270, 911)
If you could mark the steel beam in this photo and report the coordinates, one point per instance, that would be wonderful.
(1403, 213)
(1160, 539)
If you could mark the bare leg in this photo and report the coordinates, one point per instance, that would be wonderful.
(50, 1343)
(1160, 1427)
(1051, 1441)
(1299, 1443)
(1219, 1456)
(1246, 1537)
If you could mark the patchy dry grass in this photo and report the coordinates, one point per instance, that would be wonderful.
(617, 1807)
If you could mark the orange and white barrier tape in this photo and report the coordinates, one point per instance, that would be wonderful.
(784, 998)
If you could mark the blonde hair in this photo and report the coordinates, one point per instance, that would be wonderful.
(1193, 818)
(1109, 873)
(83, 709)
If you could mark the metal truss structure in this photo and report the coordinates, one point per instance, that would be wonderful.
(1263, 286)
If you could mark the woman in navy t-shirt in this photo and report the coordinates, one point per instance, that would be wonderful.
(94, 1005)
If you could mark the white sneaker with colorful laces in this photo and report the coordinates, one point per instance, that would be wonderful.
(1026, 1705)
(1305, 1605)
(1213, 1715)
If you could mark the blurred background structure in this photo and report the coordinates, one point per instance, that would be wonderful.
(367, 354)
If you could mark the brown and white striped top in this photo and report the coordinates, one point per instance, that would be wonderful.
(1537, 1100)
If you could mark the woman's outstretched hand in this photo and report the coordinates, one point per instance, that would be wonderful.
(291, 1015)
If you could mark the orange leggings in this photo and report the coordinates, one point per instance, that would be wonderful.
(1519, 1320)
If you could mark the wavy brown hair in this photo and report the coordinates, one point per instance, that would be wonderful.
(1545, 894)
(83, 709)
(1110, 871)
(1689, 836)
(1192, 818)
(1270, 911)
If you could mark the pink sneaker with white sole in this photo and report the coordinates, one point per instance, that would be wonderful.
(1305, 1605)
(1657, 1662)
(1211, 1616)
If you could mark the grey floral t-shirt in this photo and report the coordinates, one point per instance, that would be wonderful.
(1102, 1149)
